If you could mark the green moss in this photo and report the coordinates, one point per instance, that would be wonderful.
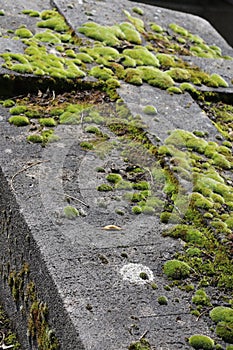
(178, 29)
(104, 188)
(221, 313)
(8, 103)
(187, 87)
(142, 56)
(221, 161)
(22, 68)
(176, 269)
(23, 33)
(142, 344)
(179, 74)
(142, 185)
(114, 178)
(84, 57)
(143, 275)
(199, 341)
(31, 13)
(216, 80)
(155, 77)
(47, 37)
(136, 210)
(131, 35)
(225, 331)
(101, 73)
(70, 212)
(162, 300)
(19, 120)
(150, 110)
(35, 138)
(123, 185)
(53, 21)
(49, 122)
(166, 60)
(174, 90)
(137, 22)
(86, 145)
(199, 201)
(148, 210)
(138, 10)
(201, 298)
(186, 232)
(156, 28)
(111, 36)
(133, 76)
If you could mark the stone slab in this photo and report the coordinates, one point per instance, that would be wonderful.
(76, 265)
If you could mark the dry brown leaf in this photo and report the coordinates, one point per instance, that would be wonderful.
(112, 228)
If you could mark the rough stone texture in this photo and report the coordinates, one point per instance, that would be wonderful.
(76, 265)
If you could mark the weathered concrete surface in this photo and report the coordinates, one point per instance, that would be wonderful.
(76, 265)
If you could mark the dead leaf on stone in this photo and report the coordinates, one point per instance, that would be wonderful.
(112, 228)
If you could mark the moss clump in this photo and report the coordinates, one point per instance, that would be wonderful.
(176, 269)
(199, 341)
(101, 73)
(143, 344)
(92, 129)
(178, 29)
(150, 110)
(53, 20)
(187, 87)
(49, 122)
(142, 56)
(179, 74)
(70, 212)
(133, 76)
(156, 28)
(221, 313)
(136, 210)
(19, 120)
(104, 188)
(86, 145)
(8, 103)
(201, 298)
(174, 90)
(23, 33)
(35, 138)
(114, 178)
(48, 37)
(31, 13)
(186, 232)
(138, 10)
(84, 57)
(221, 161)
(155, 77)
(111, 36)
(199, 201)
(216, 80)
(166, 60)
(130, 33)
(225, 331)
(137, 22)
(123, 185)
(142, 185)
(162, 300)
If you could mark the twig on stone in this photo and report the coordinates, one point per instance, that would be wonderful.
(74, 198)
(143, 335)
